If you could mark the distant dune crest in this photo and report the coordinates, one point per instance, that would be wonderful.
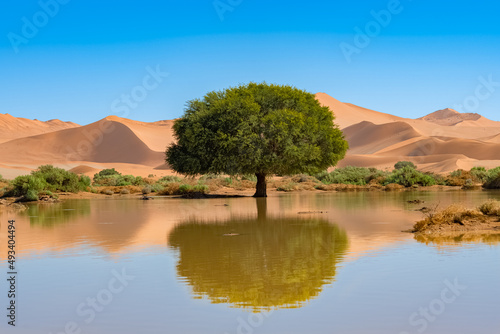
(450, 117)
(442, 141)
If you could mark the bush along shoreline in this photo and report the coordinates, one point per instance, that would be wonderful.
(46, 182)
(456, 218)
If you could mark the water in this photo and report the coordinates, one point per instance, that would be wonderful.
(296, 263)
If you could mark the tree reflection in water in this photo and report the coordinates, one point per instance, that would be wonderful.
(260, 264)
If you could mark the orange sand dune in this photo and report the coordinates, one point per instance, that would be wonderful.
(440, 142)
(431, 146)
(349, 114)
(12, 127)
(492, 139)
(157, 136)
(104, 141)
(366, 137)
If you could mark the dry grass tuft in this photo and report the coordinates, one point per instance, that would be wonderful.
(490, 208)
(452, 215)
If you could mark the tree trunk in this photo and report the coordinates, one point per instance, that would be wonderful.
(261, 190)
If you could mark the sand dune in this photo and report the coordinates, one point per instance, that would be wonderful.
(442, 141)
(433, 146)
(104, 141)
(13, 127)
(449, 117)
(367, 138)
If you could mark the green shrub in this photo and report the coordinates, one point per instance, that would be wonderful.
(107, 172)
(169, 179)
(50, 179)
(492, 183)
(200, 188)
(184, 188)
(351, 175)
(408, 176)
(479, 174)
(31, 195)
(189, 189)
(248, 177)
(403, 164)
(290, 186)
(59, 179)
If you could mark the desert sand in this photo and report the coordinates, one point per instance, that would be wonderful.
(442, 141)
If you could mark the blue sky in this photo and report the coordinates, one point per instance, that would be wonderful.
(81, 59)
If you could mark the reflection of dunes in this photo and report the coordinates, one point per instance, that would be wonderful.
(272, 263)
(116, 226)
(458, 238)
(374, 221)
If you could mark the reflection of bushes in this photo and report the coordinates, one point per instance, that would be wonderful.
(48, 215)
(458, 238)
(263, 264)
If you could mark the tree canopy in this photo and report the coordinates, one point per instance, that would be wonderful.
(256, 129)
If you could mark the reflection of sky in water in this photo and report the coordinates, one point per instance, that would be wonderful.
(372, 286)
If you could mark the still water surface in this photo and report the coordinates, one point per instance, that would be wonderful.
(294, 263)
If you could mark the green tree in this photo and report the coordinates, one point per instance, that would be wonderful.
(256, 129)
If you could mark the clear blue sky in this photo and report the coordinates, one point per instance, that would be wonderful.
(81, 61)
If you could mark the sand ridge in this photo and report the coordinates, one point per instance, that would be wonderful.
(440, 142)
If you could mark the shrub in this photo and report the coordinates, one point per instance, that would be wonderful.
(85, 181)
(58, 179)
(124, 191)
(300, 178)
(494, 173)
(184, 188)
(156, 188)
(146, 190)
(248, 177)
(454, 214)
(490, 208)
(350, 175)
(107, 172)
(492, 183)
(403, 164)
(169, 179)
(479, 174)
(493, 179)
(408, 176)
(290, 186)
(31, 195)
(189, 189)
(107, 192)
